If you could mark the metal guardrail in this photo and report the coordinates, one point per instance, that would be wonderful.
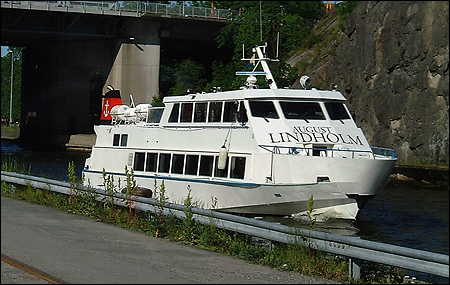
(354, 248)
(133, 8)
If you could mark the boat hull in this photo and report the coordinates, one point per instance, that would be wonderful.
(332, 199)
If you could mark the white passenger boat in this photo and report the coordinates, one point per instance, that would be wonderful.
(253, 151)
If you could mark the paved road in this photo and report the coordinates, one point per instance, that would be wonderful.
(76, 249)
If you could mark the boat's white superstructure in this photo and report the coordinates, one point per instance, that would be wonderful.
(253, 151)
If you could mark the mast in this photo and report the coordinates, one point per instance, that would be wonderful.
(260, 51)
(265, 66)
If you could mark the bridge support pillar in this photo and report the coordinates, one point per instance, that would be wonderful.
(63, 84)
(135, 71)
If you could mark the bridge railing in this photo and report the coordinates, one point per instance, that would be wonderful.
(185, 11)
(133, 8)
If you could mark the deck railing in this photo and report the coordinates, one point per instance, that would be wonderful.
(375, 152)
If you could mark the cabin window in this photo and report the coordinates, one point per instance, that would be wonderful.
(177, 163)
(139, 159)
(337, 111)
(186, 112)
(221, 172)
(164, 162)
(155, 114)
(123, 140)
(206, 165)
(263, 109)
(200, 112)
(116, 140)
(191, 164)
(230, 111)
(319, 150)
(237, 167)
(242, 114)
(174, 114)
(152, 161)
(302, 110)
(215, 111)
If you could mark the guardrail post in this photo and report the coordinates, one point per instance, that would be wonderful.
(354, 268)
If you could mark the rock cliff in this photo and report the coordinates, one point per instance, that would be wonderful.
(392, 66)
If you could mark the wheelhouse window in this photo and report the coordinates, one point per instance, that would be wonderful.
(186, 112)
(302, 110)
(242, 113)
(230, 111)
(263, 109)
(200, 112)
(206, 165)
(174, 114)
(139, 159)
(337, 111)
(215, 111)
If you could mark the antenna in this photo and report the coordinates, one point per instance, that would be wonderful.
(260, 19)
(278, 41)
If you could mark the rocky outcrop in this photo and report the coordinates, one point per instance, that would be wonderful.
(392, 66)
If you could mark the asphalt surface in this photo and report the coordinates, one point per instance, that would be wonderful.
(76, 249)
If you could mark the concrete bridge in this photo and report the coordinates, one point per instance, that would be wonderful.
(74, 49)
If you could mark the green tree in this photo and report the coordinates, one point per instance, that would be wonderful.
(260, 22)
(6, 83)
(344, 8)
(188, 74)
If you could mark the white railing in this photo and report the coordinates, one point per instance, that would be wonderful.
(375, 152)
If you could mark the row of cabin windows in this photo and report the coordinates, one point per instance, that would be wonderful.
(188, 164)
(120, 140)
(202, 112)
(298, 110)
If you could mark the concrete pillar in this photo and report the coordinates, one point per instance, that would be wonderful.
(135, 71)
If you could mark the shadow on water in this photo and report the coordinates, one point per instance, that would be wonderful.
(44, 162)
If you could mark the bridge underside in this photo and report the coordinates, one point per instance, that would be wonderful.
(70, 58)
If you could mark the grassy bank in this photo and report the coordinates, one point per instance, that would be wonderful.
(12, 132)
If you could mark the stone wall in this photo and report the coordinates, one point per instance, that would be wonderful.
(392, 66)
